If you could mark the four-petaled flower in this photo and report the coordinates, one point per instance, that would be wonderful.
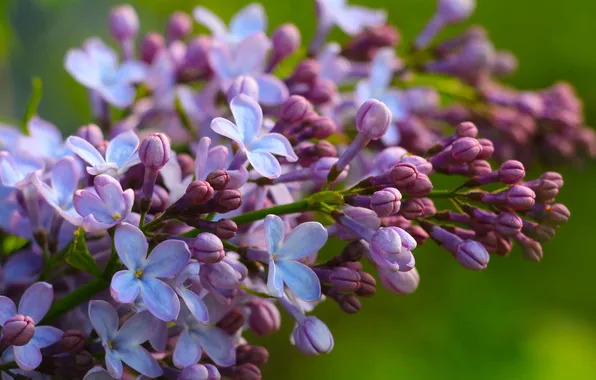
(64, 179)
(143, 273)
(124, 344)
(34, 304)
(259, 150)
(352, 19)
(121, 154)
(284, 267)
(17, 170)
(105, 205)
(246, 22)
(44, 140)
(192, 300)
(96, 67)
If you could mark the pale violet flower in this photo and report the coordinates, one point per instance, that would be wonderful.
(17, 170)
(124, 344)
(143, 272)
(247, 58)
(192, 300)
(352, 19)
(64, 180)
(44, 140)
(171, 174)
(248, 21)
(260, 150)
(334, 67)
(284, 267)
(121, 154)
(96, 67)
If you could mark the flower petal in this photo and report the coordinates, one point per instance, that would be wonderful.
(85, 150)
(167, 259)
(300, 279)
(159, 336)
(187, 351)
(265, 164)
(102, 54)
(124, 286)
(120, 95)
(80, 65)
(275, 285)
(195, 304)
(9, 174)
(110, 191)
(122, 147)
(45, 336)
(221, 62)
(210, 20)
(22, 268)
(248, 21)
(171, 173)
(218, 345)
(114, 364)
(160, 299)
(355, 19)
(65, 179)
(36, 300)
(104, 319)
(136, 330)
(307, 238)
(7, 309)
(97, 373)
(275, 231)
(131, 245)
(132, 72)
(201, 158)
(43, 130)
(228, 129)
(248, 116)
(87, 203)
(28, 357)
(250, 54)
(274, 143)
(272, 91)
(216, 160)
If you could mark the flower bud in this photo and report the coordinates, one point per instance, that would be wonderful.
(465, 149)
(294, 109)
(412, 209)
(200, 372)
(155, 151)
(196, 57)
(199, 192)
(386, 202)
(218, 179)
(353, 252)
(348, 303)
(232, 322)
(546, 191)
(556, 214)
(466, 129)
(227, 200)
(487, 149)
(511, 172)
(554, 177)
(286, 40)
(422, 165)
(472, 255)
(226, 228)
(368, 285)
(312, 337)
(208, 248)
(18, 330)
(306, 71)
(478, 167)
(264, 318)
(373, 119)
(179, 26)
(150, 46)
(508, 224)
(124, 22)
(72, 341)
(344, 280)
(256, 355)
(401, 176)
(246, 371)
(455, 11)
(321, 91)
(400, 282)
(91, 133)
(187, 164)
(517, 197)
(244, 85)
(420, 187)
(531, 248)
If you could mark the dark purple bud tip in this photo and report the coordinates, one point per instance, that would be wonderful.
(368, 285)
(323, 127)
(472, 255)
(324, 148)
(208, 248)
(520, 198)
(386, 202)
(557, 214)
(218, 179)
(403, 174)
(465, 149)
(179, 26)
(321, 91)
(312, 337)
(91, 133)
(227, 200)
(554, 177)
(246, 371)
(155, 151)
(226, 228)
(264, 318)
(353, 252)
(72, 341)
(412, 209)
(547, 191)
(187, 164)
(232, 322)
(295, 109)
(18, 330)
(373, 119)
(199, 192)
(286, 40)
(124, 22)
(512, 172)
(466, 129)
(508, 224)
(344, 280)
(349, 303)
(150, 46)
(420, 187)
(306, 71)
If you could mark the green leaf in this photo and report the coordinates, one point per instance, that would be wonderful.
(11, 244)
(32, 103)
(78, 255)
(329, 197)
(324, 218)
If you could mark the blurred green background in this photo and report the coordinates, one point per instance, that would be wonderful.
(517, 320)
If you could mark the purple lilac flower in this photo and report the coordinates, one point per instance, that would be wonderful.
(248, 21)
(96, 67)
(44, 140)
(284, 267)
(143, 272)
(192, 300)
(121, 154)
(104, 206)
(260, 150)
(333, 66)
(34, 305)
(124, 344)
(210, 159)
(21, 268)
(352, 19)
(17, 170)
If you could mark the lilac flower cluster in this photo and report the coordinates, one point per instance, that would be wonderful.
(146, 244)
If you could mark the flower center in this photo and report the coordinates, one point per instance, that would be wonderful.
(110, 345)
(116, 216)
(138, 273)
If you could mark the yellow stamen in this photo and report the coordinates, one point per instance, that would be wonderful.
(117, 216)
(110, 345)
(138, 273)
(547, 208)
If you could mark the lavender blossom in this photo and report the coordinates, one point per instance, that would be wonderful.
(247, 22)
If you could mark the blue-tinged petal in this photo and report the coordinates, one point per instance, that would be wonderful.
(122, 147)
(217, 159)
(114, 364)
(190, 271)
(43, 130)
(47, 192)
(160, 299)
(131, 245)
(159, 336)
(248, 116)
(141, 361)
(132, 161)
(382, 68)
(248, 21)
(354, 19)
(307, 238)
(394, 100)
(274, 143)
(125, 286)
(228, 129)
(275, 285)
(101, 53)
(28, 357)
(202, 158)
(45, 336)
(171, 173)
(237, 178)
(92, 225)
(65, 179)
(265, 164)
(104, 319)
(280, 194)
(71, 216)
(10, 171)
(132, 72)
(7, 309)
(275, 231)
(210, 20)
(85, 150)
(250, 54)
(221, 62)
(110, 192)
(120, 95)
(392, 137)
(218, 345)
(187, 351)
(195, 304)
(80, 65)
(300, 279)
(362, 92)
(167, 259)
(97, 373)
(22, 268)
(36, 300)
(272, 91)
(136, 330)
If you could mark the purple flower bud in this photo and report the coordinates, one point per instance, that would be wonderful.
(353, 252)
(412, 209)
(511, 172)
(546, 191)
(539, 232)
(517, 197)
(531, 248)
(472, 255)
(91, 133)
(455, 11)
(320, 170)
(466, 129)
(256, 355)
(264, 318)
(306, 71)
(465, 149)
(208, 248)
(286, 40)
(554, 215)
(344, 280)
(386, 202)
(179, 26)
(401, 176)
(187, 164)
(246, 371)
(312, 337)
(218, 179)
(420, 187)
(505, 64)
(447, 239)
(200, 372)
(373, 119)
(72, 341)
(386, 241)
(226, 228)
(155, 151)
(294, 109)
(487, 149)
(400, 282)
(365, 45)
(227, 200)
(368, 285)
(422, 165)
(232, 321)
(18, 330)
(478, 167)
(348, 303)
(244, 85)
(321, 91)
(196, 60)
(554, 177)
(150, 46)
(198, 193)
(508, 224)
(124, 22)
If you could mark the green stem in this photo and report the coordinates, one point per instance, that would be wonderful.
(77, 297)
(155, 223)
(289, 208)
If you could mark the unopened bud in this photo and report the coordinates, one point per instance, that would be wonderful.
(218, 179)
(227, 200)
(295, 109)
(72, 341)
(312, 337)
(386, 202)
(373, 119)
(264, 318)
(286, 40)
(226, 228)
(231, 322)
(91, 133)
(124, 22)
(155, 151)
(244, 85)
(208, 248)
(179, 26)
(18, 330)
(150, 46)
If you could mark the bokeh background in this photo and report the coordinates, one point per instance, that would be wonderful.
(516, 320)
